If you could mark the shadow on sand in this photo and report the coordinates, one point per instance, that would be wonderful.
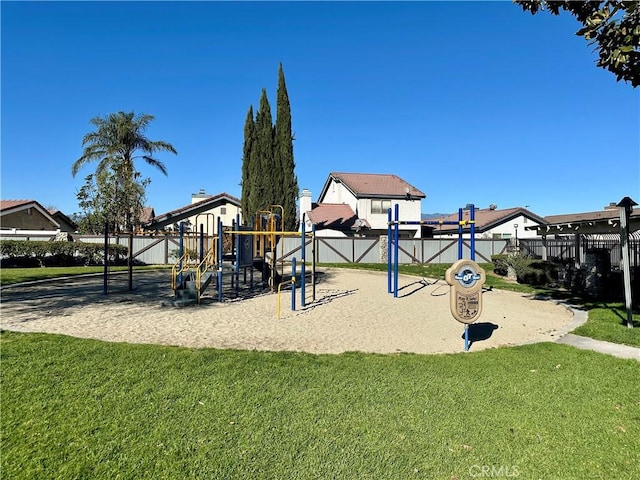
(480, 331)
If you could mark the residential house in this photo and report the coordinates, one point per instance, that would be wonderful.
(26, 219)
(66, 224)
(492, 223)
(357, 204)
(146, 215)
(205, 209)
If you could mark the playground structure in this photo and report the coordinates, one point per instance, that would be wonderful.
(206, 258)
(393, 240)
(393, 253)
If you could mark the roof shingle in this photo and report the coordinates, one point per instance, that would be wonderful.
(335, 216)
(487, 218)
(376, 185)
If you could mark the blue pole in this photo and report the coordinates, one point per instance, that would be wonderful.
(105, 273)
(220, 245)
(466, 338)
(237, 247)
(303, 269)
(253, 252)
(460, 256)
(293, 284)
(313, 262)
(473, 232)
(389, 251)
(395, 249)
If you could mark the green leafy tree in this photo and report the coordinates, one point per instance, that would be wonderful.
(286, 181)
(117, 142)
(99, 206)
(613, 27)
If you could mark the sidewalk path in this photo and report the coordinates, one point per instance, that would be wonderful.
(615, 349)
(585, 343)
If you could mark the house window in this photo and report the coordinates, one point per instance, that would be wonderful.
(223, 210)
(380, 206)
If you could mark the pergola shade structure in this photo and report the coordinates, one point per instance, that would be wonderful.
(600, 222)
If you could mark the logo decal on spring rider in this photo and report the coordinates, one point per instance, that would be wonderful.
(467, 277)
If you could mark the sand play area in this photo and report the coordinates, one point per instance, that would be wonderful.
(352, 312)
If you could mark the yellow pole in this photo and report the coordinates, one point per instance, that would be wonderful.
(278, 303)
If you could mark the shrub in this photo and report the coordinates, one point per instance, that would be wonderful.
(175, 253)
(518, 262)
(539, 273)
(500, 264)
(23, 253)
(528, 270)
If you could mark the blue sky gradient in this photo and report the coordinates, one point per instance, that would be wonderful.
(471, 102)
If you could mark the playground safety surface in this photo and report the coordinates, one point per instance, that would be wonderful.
(352, 312)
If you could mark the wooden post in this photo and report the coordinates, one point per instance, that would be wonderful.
(625, 206)
(579, 257)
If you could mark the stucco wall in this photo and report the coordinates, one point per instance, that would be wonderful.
(210, 218)
(409, 210)
(27, 219)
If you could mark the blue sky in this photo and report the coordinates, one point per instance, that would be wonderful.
(472, 102)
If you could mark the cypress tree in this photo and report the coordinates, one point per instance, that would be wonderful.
(286, 180)
(268, 167)
(249, 135)
(263, 175)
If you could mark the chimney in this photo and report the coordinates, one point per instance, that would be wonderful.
(611, 206)
(305, 202)
(197, 197)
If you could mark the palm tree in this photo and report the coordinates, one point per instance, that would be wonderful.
(116, 140)
(115, 144)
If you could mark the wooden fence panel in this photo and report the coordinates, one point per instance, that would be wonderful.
(157, 249)
(149, 249)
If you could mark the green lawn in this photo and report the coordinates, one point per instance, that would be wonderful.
(609, 322)
(75, 408)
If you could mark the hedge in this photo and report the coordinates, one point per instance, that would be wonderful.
(21, 253)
